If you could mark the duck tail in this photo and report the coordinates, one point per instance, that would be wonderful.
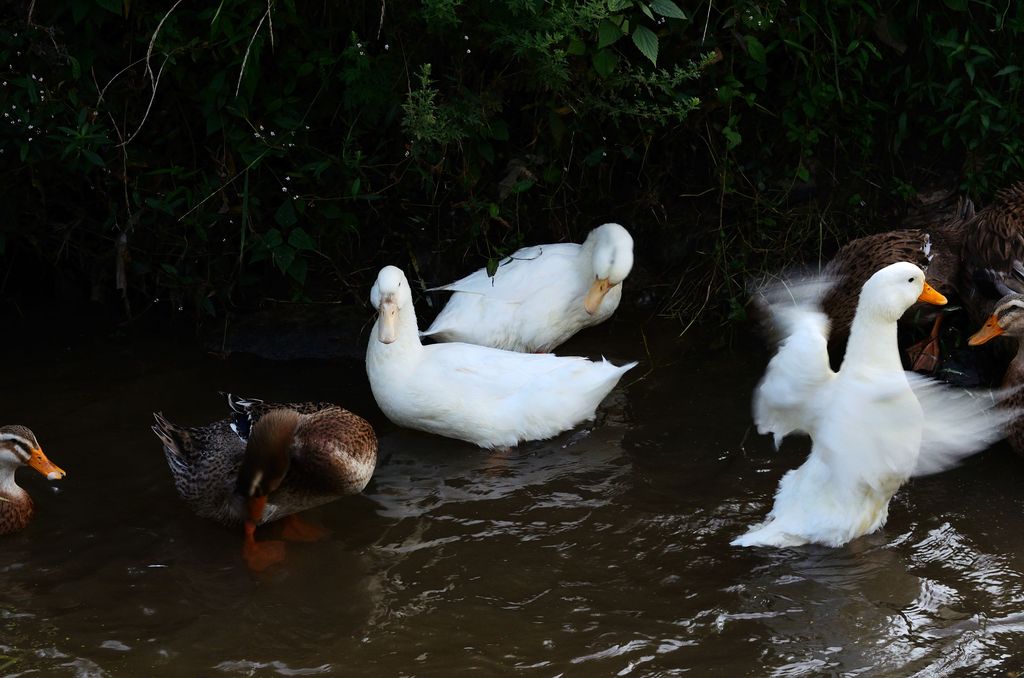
(244, 413)
(177, 444)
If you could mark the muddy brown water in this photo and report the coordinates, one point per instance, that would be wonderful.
(602, 552)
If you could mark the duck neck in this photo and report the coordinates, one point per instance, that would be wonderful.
(873, 343)
(1015, 372)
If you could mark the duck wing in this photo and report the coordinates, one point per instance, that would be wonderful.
(795, 385)
(520, 276)
(957, 422)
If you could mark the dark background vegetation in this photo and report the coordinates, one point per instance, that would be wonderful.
(201, 158)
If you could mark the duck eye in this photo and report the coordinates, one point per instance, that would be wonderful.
(910, 280)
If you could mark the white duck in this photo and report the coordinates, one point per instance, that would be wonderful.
(540, 296)
(873, 425)
(485, 396)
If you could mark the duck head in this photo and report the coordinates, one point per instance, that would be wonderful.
(892, 290)
(1008, 319)
(612, 260)
(267, 458)
(19, 447)
(389, 295)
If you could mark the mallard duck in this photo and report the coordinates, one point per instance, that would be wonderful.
(935, 249)
(1008, 319)
(485, 396)
(872, 425)
(268, 462)
(993, 253)
(540, 296)
(19, 447)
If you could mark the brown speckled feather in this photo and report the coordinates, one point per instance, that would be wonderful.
(993, 241)
(16, 507)
(935, 250)
(16, 512)
(334, 453)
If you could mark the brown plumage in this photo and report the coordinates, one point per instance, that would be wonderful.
(1008, 318)
(19, 447)
(993, 248)
(325, 452)
(936, 250)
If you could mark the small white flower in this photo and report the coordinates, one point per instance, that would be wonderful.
(386, 48)
(468, 51)
(272, 134)
(284, 189)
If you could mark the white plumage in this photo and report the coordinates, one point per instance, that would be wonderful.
(873, 426)
(485, 396)
(540, 296)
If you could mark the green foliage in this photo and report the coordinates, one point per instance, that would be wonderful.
(214, 154)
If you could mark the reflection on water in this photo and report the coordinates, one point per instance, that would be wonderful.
(602, 552)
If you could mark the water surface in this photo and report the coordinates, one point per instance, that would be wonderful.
(601, 552)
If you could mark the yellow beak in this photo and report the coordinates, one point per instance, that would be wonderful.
(596, 294)
(990, 330)
(930, 295)
(39, 462)
(387, 322)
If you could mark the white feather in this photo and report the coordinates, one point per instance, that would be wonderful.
(534, 301)
(873, 425)
(486, 396)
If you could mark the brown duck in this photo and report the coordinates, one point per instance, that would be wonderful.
(993, 252)
(19, 447)
(935, 249)
(269, 462)
(1008, 319)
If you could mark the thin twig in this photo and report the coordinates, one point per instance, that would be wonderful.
(245, 59)
(154, 80)
(116, 76)
(223, 186)
(270, 24)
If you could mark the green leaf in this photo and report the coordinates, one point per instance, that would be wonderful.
(607, 34)
(647, 42)
(285, 214)
(1006, 70)
(647, 10)
(115, 6)
(272, 239)
(492, 267)
(667, 8)
(957, 5)
(301, 240)
(754, 48)
(619, 5)
(605, 62)
(298, 271)
(499, 130)
(576, 47)
(283, 257)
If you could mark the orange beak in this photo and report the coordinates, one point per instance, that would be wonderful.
(990, 330)
(930, 295)
(256, 506)
(39, 462)
(595, 295)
